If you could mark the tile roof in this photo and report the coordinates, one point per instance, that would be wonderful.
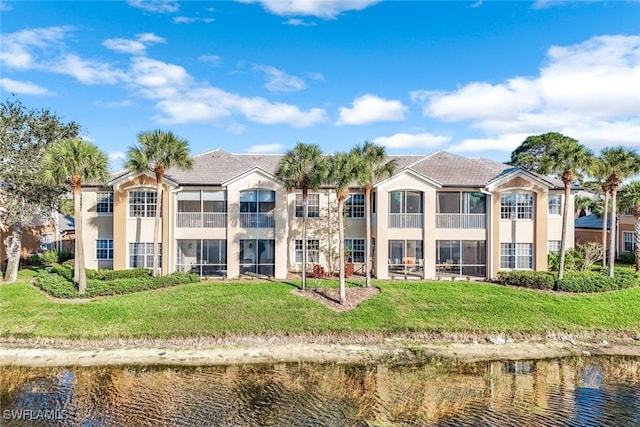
(218, 166)
(591, 222)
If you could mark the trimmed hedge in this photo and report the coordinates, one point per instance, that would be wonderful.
(528, 279)
(573, 281)
(117, 274)
(60, 287)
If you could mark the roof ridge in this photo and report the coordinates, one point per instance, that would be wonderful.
(207, 152)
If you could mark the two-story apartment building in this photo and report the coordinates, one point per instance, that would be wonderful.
(438, 215)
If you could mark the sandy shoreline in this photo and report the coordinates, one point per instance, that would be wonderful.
(202, 351)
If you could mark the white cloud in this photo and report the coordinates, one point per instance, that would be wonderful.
(370, 108)
(266, 148)
(134, 47)
(478, 3)
(588, 91)
(16, 48)
(406, 140)
(116, 160)
(191, 20)
(23, 88)
(87, 71)
(278, 81)
(299, 22)
(5, 6)
(157, 6)
(213, 60)
(315, 76)
(114, 104)
(326, 9)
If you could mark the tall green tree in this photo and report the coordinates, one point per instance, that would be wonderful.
(71, 162)
(302, 168)
(374, 166)
(622, 163)
(343, 173)
(25, 135)
(554, 153)
(158, 151)
(630, 200)
(600, 171)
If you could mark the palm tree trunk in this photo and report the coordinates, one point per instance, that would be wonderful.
(14, 245)
(367, 247)
(565, 217)
(79, 274)
(343, 287)
(157, 229)
(636, 243)
(605, 229)
(614, 230)
(304, 238)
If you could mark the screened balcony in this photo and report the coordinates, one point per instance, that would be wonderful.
(257, 209)
(406, 209)
(202, 209)
(459, 209)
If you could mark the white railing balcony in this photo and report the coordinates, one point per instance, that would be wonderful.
(257, 220)
(402, 220)
(201, 220)
(464, 221)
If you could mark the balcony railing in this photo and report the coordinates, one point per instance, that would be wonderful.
(201, 220)
(464, 221)
(257, 220)
(402, 220)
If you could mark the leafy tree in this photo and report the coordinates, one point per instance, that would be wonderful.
(25, 135)
(622, 163)
(158, 151)
(71, 162)
(600, 171)
(374, 166)
(630, 200)
(555, 153)
(303, 168)
(343, 172)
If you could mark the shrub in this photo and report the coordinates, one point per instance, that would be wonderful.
(34, 259)
(592, 281)
(50, 257)
(527, 279)
(117, 274)
(627, 258)
(69, 263)
(59, 283)
(553, 262)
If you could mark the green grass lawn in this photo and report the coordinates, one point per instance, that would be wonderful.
(256, 307)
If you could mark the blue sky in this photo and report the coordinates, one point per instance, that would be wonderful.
(470, 77)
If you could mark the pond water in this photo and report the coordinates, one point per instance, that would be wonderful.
(558, 392)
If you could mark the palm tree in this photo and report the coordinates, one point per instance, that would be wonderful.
(158, 151)
(622, 163)
(373, 168)
(600, 172)
(303, 168)
(343, 172)
(555, 153)
(72, 162)
(630, 200)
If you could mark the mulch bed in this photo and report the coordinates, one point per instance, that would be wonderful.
(330, 297)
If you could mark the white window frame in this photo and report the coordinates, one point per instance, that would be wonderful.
(357, 247)
(516, 206)
(313, 206)
(628, 237)
(552, 245)
(313, 251)
(354, 209)
(148, 207)
(108, 249)
(555, 204)
(516, 256)
(147, 254)
(46, 242)
(102, 199)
